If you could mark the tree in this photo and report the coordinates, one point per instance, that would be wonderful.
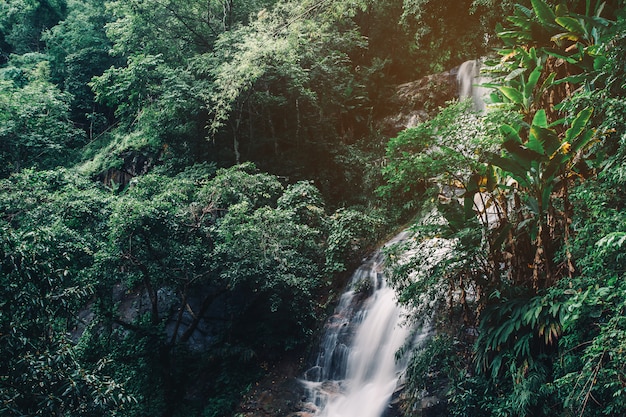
(49, 232)
(78, 49)
(22, 23)
(35, 128)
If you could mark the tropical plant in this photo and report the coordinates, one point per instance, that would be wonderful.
(552, 62)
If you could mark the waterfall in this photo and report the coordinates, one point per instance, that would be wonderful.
(469, 82)
(356, 370)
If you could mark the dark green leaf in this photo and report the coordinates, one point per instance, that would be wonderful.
(543, 11)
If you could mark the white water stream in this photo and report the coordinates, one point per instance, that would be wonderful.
(470, 84)
(356, 370)
(358, 367)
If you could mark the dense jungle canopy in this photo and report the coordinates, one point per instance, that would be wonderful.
(185, 184)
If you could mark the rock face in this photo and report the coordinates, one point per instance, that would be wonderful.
(134, 164)
(279, 394)
(417, 101)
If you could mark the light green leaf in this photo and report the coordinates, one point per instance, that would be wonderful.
(540, 119)
(532, 82)
(512, 94)
(510, 133)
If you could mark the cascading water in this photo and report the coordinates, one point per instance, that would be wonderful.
(356, 370)
(469, 83)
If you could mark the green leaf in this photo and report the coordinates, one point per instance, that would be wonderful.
(574, 79)
(499, 240)
(514, 74)
(557, 122)
(534, 144)
(532, 82)
(547, 138)
(578, 125)
(511, 166)
(522, 154)
(557, 53)
(510, 133)
(582, 141)
(571, 24)
(543, 11)
(554, 165)
(551, 142)
(540, 119)
(561, 10)
(599, 62)
(512, 94)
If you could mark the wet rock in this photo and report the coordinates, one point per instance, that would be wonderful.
(417, 101)
(279, 394)
(432, 406)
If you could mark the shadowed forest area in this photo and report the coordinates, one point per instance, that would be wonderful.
(185, 187)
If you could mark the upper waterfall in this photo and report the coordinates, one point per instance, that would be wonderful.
(470, 83)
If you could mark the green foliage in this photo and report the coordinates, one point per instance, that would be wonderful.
(109, 293)
(78, 49)
(442, 152)
(295, 56)
(49, 231)
(35, 129)
(306, 202)
(351, 234)
(99, 286)
(22, 23)
(446, 34)
(548, 264)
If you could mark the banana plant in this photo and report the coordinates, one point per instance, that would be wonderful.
(538, 164)
(549, 53)
(558, 33)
